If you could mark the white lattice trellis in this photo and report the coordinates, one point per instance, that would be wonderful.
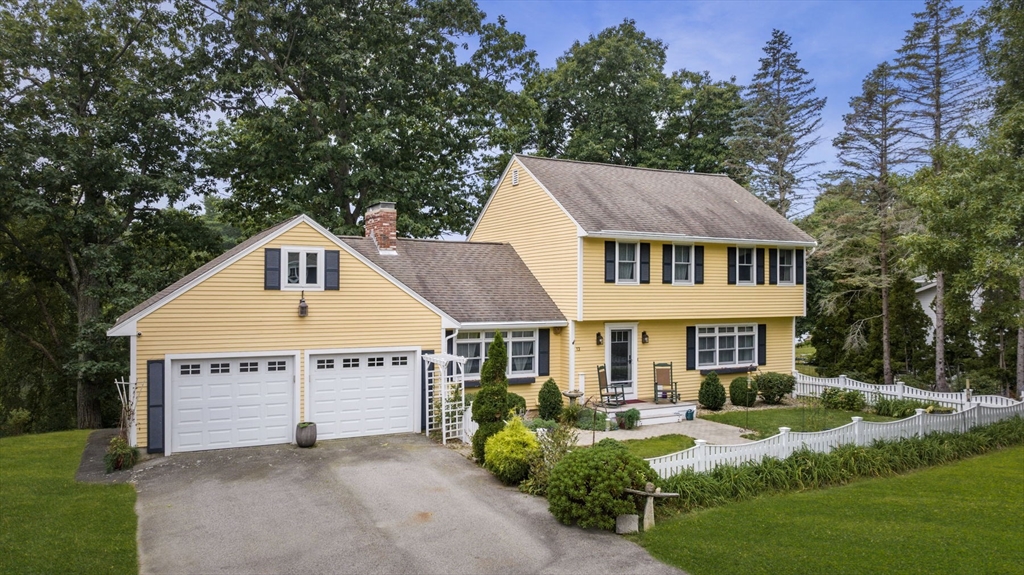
(446, 390)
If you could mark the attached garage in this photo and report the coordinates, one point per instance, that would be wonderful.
(231, 402)
(357, 394)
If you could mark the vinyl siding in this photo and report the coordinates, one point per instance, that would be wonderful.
(230, 312)
(559, 369)
(714, 299)
(668, 344)
(541, 233)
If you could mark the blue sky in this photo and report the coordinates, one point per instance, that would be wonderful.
(838, 41)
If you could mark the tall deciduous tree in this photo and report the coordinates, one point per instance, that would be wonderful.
(100, 102)
(870, 150)
(333, 105)
(943, 87)
(777, 126)
(609, 100)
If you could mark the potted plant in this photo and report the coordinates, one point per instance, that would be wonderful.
(628, 419)
(305, 434)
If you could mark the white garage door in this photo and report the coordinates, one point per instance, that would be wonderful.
(231, 402)
(362, 394)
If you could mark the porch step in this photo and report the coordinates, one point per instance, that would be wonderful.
(654, 414)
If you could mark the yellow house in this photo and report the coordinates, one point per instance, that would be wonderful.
(653, 266)
(578, 265)
(297, 324)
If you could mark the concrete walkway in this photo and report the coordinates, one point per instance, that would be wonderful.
(710, 431)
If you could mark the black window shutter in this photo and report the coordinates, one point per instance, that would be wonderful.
(760, 266)
(698, 264)
(799, 267)
(691, 347)
(609, 262)
(331, 274)
(762, 344)
(645, 263)
(773, 266)
(272, 268)
(666, 263)
(155, 405)
(732, 265)
(543, 352)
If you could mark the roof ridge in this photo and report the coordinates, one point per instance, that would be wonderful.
(433, 240)
(607, 165)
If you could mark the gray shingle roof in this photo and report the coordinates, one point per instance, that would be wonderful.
(606, 198)
(471, 282)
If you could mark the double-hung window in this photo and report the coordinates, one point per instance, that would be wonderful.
(521, 346)
(786, 267)
(745, 266)
(682, 264)
(626, 264)
(726, 345)
(303, 268)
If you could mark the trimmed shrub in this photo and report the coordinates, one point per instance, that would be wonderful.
(483, 433)
(775, 386)
(549, 400)
(120, 455)
(555, 444)
(587, 486)
(628, 419)
(508, 453)
(515, 404)
(739, 395)
(491, 406)
(844, 399)
(712, 394)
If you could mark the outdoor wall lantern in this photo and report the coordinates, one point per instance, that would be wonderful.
(600, 339)
(303, 307)
(644, 338)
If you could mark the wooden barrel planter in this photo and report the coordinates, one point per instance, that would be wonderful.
(305, 434)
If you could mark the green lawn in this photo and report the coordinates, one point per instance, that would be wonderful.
(966, 517)
(51, 524)
(766, 422)
(803, 353)
(658, 446)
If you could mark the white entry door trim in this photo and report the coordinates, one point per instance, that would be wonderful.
(169, 406)
(631, 392)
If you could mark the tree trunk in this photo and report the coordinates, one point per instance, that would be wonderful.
(1020, 342)
(940, 332)
(88, 390)
(886, 353)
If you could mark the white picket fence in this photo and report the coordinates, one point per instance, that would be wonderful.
(807, 385)
(704, 457)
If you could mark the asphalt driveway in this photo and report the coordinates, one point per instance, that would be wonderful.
(395, 504)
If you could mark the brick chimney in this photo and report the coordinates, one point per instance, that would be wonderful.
(381, 224)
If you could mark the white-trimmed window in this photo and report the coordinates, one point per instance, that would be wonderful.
(682, 265)
(521, 346)
(787, 267)
(627, 263)
(726, 345)
(745, 266)
(302, 268)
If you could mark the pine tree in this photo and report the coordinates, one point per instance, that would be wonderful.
(940, 71)
(777, 125)
(869, 150)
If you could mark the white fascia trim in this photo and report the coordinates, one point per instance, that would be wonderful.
(169, 359)
(129, 327)
(624, 235)
(122, 330)
(512, 325)
(515, 158)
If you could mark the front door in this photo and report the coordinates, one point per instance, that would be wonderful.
(621, 358)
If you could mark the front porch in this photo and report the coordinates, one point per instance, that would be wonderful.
(656, 413)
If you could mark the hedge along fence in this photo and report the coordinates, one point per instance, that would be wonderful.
(703, 457)
(809, 386)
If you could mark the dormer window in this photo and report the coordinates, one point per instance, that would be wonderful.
(303, 268)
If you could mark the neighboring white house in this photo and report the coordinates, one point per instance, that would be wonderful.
(926, 297)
